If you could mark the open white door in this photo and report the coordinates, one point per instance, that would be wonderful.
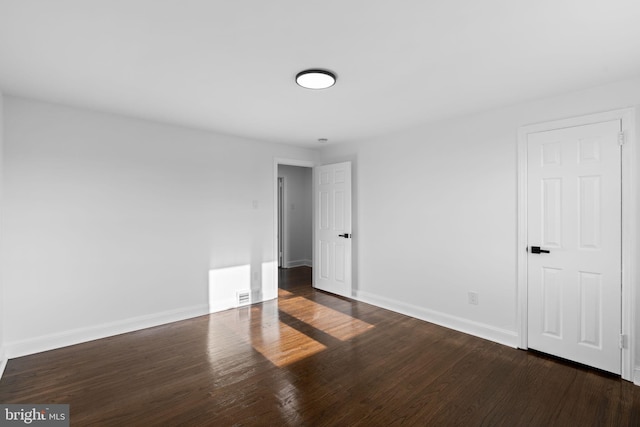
(574, 243)
(332, 263)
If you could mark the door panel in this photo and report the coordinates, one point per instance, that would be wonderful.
(574, 208)
(589, 215)
(590, 309)
(552, 212)
(333, 218)
(552, 294)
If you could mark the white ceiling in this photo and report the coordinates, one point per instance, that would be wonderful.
(229, 65)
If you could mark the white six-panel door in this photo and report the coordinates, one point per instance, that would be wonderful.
(332, 263)
(574, 212)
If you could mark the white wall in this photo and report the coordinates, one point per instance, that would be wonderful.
(298, 215)
(3, 359)
(437, 211)
(113, 223)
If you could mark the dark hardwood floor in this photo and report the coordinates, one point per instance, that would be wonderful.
(314, 359)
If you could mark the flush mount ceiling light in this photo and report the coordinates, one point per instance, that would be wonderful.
(316, 79)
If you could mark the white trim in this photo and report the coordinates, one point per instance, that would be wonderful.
(629, 241)
(81, 335)
(223, 304)
(299, 263)
(285, 220)
(281, 220)
(481, 330)
(636, 376)
(3, 361)
(629, 216)
(522, 239)
(294, 162)
(287, 162)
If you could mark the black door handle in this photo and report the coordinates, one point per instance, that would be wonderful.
(537, 250)
(345, 235)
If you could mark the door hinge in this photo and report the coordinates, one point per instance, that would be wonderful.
(621, 139)
(623, 341)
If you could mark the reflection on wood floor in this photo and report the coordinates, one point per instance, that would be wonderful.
(312, 358)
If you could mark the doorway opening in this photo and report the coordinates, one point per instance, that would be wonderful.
(294, 223)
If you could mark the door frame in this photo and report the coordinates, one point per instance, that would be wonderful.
(282, 220)
(627, 117)
(286, 162)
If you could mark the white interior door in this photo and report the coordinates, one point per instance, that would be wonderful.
(574, 213)
(332, 263)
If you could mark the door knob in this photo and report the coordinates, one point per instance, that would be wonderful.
(345, 235)
(537, 250)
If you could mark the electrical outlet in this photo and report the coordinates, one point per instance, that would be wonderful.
(473, 298)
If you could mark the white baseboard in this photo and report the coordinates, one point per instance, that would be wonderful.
(3, 361)
(481, 330)
(636, 376)
(76, 336)
(221, 305)
(298, 263)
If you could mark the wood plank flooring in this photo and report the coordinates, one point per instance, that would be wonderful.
(314, 359)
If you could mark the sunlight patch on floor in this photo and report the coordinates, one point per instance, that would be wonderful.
(282, 293)
(329, 321)
(278, 342)
(283, 345)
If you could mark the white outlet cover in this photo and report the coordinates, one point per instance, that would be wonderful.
(473, 298)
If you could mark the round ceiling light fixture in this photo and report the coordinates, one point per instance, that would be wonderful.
(316, 79)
